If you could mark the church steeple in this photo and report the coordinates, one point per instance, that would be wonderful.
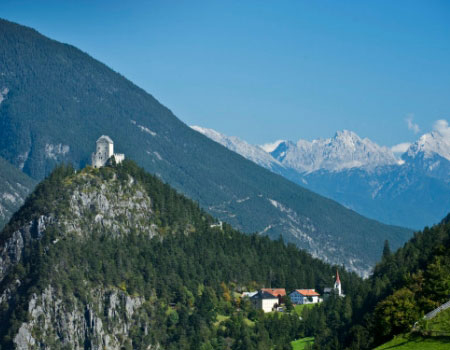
(337, 284)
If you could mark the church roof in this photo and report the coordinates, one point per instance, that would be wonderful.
(338, 280)
(105, 138)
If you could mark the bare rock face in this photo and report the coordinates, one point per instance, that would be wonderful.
(105, 316)
(104, 323)
(11, 251)
(114, 207)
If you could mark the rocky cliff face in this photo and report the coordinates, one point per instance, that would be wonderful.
(86, 202)
(11, 251)
(57, 321)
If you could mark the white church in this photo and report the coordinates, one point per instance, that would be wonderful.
(336, 290)
(105, 151)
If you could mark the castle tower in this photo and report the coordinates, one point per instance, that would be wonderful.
(337, 284)
(104, 151)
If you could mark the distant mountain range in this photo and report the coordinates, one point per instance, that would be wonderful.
(411, 190)
(57, 100)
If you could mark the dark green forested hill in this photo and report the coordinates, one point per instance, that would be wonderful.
(14, 187)
(405, 285)
(113, 258)
(57, 100)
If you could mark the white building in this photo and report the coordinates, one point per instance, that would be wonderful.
(336, 290)
(264, 301)
(304, 296)
(104, 151)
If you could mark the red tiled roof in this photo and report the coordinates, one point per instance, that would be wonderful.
(275, 291)
(308, 292)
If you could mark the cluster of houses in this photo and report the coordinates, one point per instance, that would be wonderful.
(270, 299)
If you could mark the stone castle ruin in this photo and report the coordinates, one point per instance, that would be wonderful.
(104, 152)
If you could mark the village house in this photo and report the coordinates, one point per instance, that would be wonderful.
(104, 152)
(304, 296)
(276, 292)
(264, 301)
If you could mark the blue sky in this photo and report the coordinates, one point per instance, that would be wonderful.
(267, 70)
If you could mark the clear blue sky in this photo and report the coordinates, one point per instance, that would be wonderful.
(267, 70)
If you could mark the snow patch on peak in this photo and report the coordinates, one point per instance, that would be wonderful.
(436, 142)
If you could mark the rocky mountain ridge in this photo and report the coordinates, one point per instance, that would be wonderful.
(411, 190)
(345, 150)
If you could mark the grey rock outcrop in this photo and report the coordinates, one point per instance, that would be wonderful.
(11, 251)
(104, 323)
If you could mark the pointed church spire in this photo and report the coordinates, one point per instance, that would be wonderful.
(337, 284)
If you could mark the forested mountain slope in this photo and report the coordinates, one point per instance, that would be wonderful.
(57, 101)
(403, 288)
(14, 187)
(113, 258)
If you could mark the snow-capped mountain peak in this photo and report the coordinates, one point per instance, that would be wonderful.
(434, 143)
(343, 151)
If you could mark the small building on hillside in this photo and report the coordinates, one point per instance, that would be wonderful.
(336, 290)
(276, 292)
(304, 296)
(264, 301)
(104, 152)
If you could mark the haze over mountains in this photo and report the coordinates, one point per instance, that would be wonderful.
(58, 100)
(411, 190)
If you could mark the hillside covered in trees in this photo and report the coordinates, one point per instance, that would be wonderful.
(113, 257)
(404, 286)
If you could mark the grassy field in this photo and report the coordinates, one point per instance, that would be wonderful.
(299, 308)
(302, 343)
(222, 318)
(409, 342)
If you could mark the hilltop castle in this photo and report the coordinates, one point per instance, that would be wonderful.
(105, 151)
